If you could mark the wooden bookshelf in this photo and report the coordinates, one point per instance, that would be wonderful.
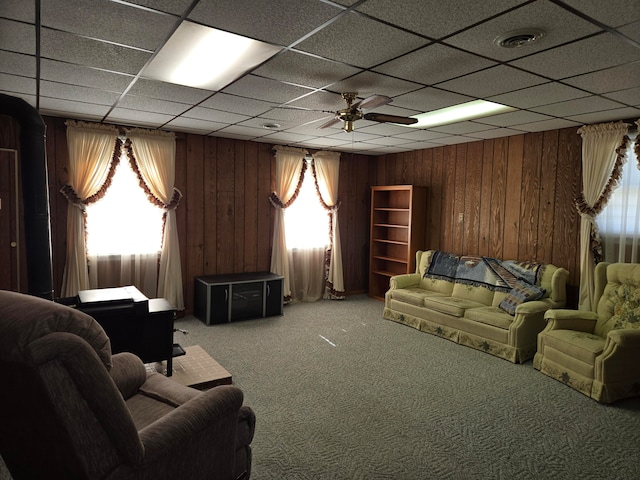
(398, 224)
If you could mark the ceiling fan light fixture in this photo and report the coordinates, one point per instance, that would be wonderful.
(519, 38)
(459, 113)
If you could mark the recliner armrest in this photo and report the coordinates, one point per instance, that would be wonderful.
(565, 319)
(197, 439)
(128, 373)
(626, 337)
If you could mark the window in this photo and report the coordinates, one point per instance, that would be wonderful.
(124, 221)
(619, 221)
(306, 220)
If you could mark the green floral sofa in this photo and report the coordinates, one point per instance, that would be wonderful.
(597, 352)
(498, 314)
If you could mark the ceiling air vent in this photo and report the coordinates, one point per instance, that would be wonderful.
(518, 38)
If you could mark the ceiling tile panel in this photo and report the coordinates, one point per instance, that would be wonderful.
(493, 81)
(80, 110)
(609, 80)
(578, 106)
(71, 48)
(17, 64)
(169, 91)
(83, 76)
(240, 105)
(551, 124)
(612, 12)
(495, 133)
(280, 22)
(602, 51)
(544, 94)
(18, 10)
(360, 41)
(371, 83)
(265, 89)
(607, 116)
(304, 69)
(435, 18)
(429, 99)
(211, 115)
(558, 27)
(93, 53)
(16, 84)
(513, 118)
(17, 37)
(629, 97)
(138, 117)
(193, 124)
(434, 63)
(76, 93)
(106, 21)
(176, 7)
(147, 104)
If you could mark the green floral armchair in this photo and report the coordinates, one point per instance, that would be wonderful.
(597, 352)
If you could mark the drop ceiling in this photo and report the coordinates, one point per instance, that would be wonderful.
(85, 59)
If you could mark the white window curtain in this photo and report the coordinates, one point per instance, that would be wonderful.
(290, 167)
(326, 168)
(92, 152)
(601, 165)
(619, 222)
(154, 153)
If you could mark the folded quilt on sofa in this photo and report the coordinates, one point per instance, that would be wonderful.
(478, 271)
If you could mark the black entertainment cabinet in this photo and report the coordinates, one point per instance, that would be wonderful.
(237, 296)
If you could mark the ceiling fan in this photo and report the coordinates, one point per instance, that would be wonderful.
(356, 111)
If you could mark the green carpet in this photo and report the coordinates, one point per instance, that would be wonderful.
(341, 393)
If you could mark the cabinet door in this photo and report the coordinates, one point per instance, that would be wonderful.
(273, 305)
(246, 300)
(219, 306)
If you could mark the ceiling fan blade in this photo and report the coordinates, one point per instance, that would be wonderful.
(373, 101)
(384, 118)
(330, 123)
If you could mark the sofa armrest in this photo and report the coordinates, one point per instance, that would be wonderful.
(565, 319)
(404, 280)
(534, 306)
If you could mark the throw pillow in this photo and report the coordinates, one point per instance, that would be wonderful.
(520, 293)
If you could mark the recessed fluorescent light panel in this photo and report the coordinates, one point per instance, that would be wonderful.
(459, 113)
(203, 57)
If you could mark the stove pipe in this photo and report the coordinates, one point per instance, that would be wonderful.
(35, 194)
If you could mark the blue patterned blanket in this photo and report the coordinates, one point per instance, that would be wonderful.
(491, 273)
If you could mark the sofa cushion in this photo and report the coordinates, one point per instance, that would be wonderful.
(452, 305)
(582, 346)
(478, 294)
(520, 293)
(413, 295)
(493, 316)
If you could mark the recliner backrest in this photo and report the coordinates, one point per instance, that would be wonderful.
(617, 293)
(59, 405)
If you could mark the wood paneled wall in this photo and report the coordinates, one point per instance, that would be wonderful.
(225, 220)
(510, 198)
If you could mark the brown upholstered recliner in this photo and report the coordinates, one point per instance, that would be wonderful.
(597, 352)
(69, 409)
